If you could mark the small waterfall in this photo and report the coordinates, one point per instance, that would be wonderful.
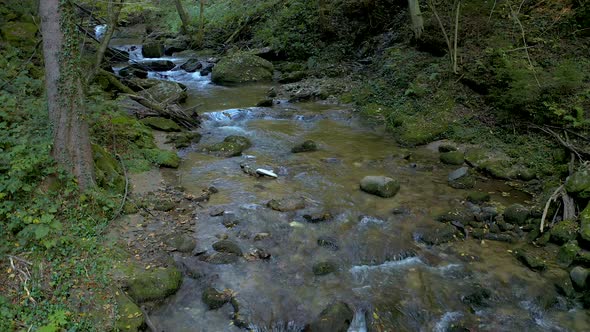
(445, 321)
(359, 322)
(99, 31)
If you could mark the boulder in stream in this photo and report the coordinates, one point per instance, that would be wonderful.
(130, 71)
(154, 65)
(165, 92)
(452, 158)
(380, 186)
(242, 67)
(152, 49)
(192, 65)
(516, 214)
(178, 44)
(153, 284)
(232, 146)
(335, 318)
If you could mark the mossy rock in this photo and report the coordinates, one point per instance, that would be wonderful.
(214, 299)
(564, 231)
(307, 146)
(227, 246)
(161, 124)
(464, 182)
(324, 268)
(452, 158)
(438, 234)
(183, 140)
(286, 204)
(232, 146)
(567, 253)
(380, 186)
(129, 316)
(19, 33)
(152, 49)
(162, 158)
(182, 242)
(478, 197)
(108, 171)
(133, 72)
(292, 77)
(154, 284)
(166, 92)
(530, 260)
(242, 67)
(585, 224)
(579, 183)
(516, 214)
(335, 318)
(446, 148)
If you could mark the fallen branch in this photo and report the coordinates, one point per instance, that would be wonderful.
(552, 198)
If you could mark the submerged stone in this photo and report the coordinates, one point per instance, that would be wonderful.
(380, 186)
(335, 318)
(478, 197)
(227, 246)
(324, 268)
(530, 260)
(214, 299)
(437, 234)
(192, 65)
(307, 146)
(286, 204)
(232, 146)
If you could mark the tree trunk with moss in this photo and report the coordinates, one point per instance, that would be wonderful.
(186, 22)
(201, 35)
(65, 98)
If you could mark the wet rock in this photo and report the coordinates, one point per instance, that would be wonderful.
(564, 231)
(161, 124)
(462, 216)
(129, 318)
(165, 92)
(437, 234)
(183, 140)
(176, 45)
(242, 67)
(152, 49)
(286, 204)
(307, 146)
(219, 258)
(504, 237)
(443, 148)
(585, 224)
(154, 284)
(272, 93)
(458, 173)
(129, 71)
(567, 253)
(452, 158)
(579, 276)
(562, 282)
(328, 242)
(335, 318)
(192, 65)
(461, 179)
(380, 186)
(154, 65)
(227, 246)
(261, 236)
(478, 197)
(317, 217)
(488, 214)
(256, 254)
(583, 258)
(232, 146)
(181, 242)
(516, 214)
(324, 268)
(543, 239)
(579, 183)
(207, 69)
(477, 297)
(292, 77)
(530, 260)
(216, 212)
(214, 299)
(265, 103)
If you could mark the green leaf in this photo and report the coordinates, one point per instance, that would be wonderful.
(41, 231)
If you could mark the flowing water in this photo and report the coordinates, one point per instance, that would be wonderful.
(394, 282)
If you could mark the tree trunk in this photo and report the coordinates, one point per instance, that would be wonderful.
(115, 7)
(201, 35)
(183, 17)
(65, 99)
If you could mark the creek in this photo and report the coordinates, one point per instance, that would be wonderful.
(391, 279)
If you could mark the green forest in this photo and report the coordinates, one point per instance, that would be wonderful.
(294, 165)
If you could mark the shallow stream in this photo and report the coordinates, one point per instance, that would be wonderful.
(393, 281)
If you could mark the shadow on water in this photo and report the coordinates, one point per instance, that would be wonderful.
(393, 282)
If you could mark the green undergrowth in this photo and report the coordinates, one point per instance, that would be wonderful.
(52, 256)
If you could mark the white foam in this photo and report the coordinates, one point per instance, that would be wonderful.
(443, 323)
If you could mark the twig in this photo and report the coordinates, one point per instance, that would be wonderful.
(126, 188)
(517, 20)
(492, 11)
(148, 321)
(552, 198)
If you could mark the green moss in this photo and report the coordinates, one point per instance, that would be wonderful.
(162, 157)
(150, 285)
(19, 33)
(242, 67)
(564, 231)
(161, 124)
(129, 316)
(231, 146)
(567, 253)
(452, 158)
(108, 171)
(183, 140)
